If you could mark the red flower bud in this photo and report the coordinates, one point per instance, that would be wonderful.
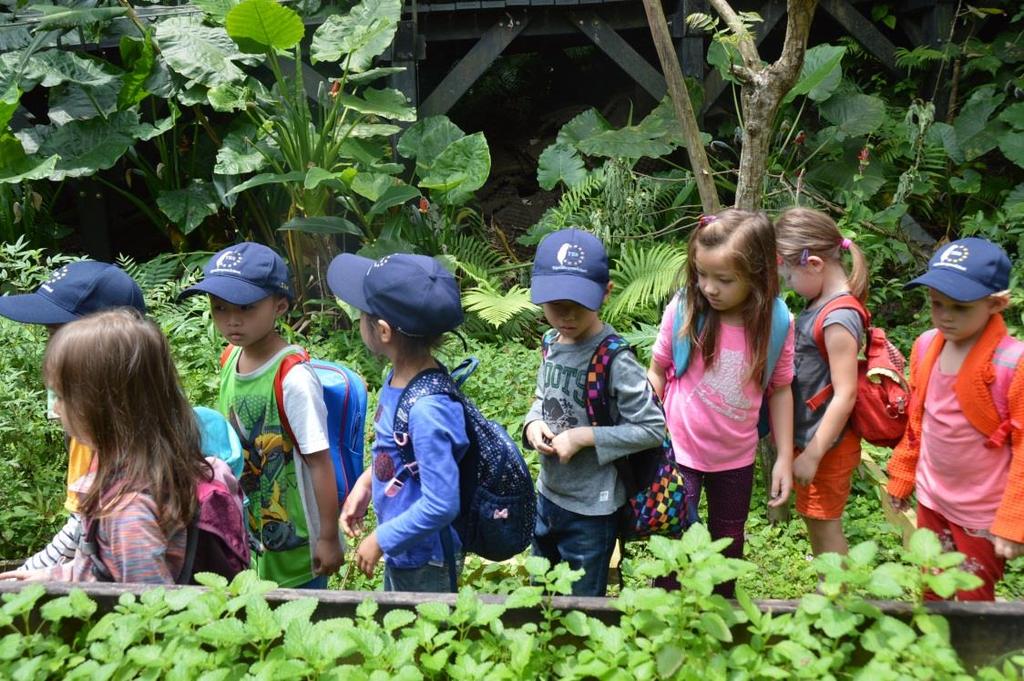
(335, 88)
(800, 138)
(864, 155)
(424, 204)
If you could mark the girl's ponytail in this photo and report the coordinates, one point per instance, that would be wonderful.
(859, 273)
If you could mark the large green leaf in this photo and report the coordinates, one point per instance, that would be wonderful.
(388, 103)
(945, 134)
(268, 178)
(460, 169)
(50, 68)
(628, 142)
(1012, 146)
(70, 17)
(583, 126)
(147, 131)
(12, 37)
(426, 139)
(201, 54)
(396, 195)
(820, 75)
(362, 34)
(217, 10)
(139, 57)
(1014, 204)
(560, 163)
(322, 225)
(239, 155)
(16, 166)
(188, 207)
(73, 102)
(83, 146)
(8, 104)
(1014, 115)
(372, 185)
(974, 132)
(855, 114)
(263, 25)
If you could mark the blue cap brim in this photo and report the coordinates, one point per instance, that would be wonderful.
(32, 308)
(952, 284)
(345, 278)
(547, 288)
(233, 290)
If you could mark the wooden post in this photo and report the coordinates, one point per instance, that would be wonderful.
(683, 107)
(767, 454)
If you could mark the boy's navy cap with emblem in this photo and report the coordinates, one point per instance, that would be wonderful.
(73, 291)
(967, 270)
(570, 265)
(243, 274)
(413, 293)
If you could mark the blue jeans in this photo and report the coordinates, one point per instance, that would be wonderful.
(583, 541)
(430, 578)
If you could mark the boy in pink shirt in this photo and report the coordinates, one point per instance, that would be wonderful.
(963, 452)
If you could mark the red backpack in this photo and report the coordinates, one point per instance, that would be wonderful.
(883, 396)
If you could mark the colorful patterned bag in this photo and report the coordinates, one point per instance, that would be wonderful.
(655, 489)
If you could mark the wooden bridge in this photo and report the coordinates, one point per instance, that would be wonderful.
(492, 26)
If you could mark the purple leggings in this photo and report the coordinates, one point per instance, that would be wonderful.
(728, 494)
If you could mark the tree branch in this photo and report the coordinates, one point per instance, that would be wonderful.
(745, 44)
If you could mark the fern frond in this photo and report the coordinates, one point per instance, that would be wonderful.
(643, 277)
(497, 308)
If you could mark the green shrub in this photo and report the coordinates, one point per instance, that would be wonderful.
(229, 630)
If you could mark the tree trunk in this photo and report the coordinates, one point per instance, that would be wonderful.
(682, 104)
(762, 90)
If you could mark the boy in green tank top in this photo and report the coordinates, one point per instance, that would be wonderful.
(293, 504)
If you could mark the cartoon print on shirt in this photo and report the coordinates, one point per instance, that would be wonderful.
(721, 387)
(558, 414)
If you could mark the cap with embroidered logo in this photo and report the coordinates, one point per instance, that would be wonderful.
(413, 293)
(966, 270)
(244, 274)
(570, 264)
(73, 291)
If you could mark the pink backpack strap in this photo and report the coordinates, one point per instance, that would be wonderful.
(286, 365)
(1004, 362)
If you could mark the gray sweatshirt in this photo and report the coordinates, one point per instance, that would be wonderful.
(589, 483)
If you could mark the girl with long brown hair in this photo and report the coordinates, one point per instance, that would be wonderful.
(712, 404)
(118, 392)
(812, 251)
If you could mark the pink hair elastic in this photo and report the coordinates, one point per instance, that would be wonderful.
(705, 220)
(845, 244)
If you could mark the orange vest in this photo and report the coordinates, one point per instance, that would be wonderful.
(974, 390)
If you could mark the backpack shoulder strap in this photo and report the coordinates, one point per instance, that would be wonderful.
(546, 340)
(838, 303)
(287, 364)
(781, 320)
(598, 400)
(427, 382)
(681, 346)
(225, 354)
(90, 546)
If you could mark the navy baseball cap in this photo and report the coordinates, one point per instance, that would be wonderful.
(73, 291)
(967, 270)
(243, 274)
(413, 293)
(570, 265)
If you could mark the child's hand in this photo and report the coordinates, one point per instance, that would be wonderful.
(328, 556)
(540, 436)
(782, 483)
(900, 505)
(1006, 548)
(805, 466)
(353, 512)
(368, 553)
(24, 575)
(567, 443)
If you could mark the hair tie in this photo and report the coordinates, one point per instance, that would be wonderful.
(845, 244)
(705, 220)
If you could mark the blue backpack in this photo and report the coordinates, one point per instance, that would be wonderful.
(497, 501)
(781, 319)
(345, 396)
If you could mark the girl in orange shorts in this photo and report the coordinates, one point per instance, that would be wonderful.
(811, 253)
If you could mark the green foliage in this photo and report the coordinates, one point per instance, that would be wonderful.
(229, 630)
